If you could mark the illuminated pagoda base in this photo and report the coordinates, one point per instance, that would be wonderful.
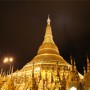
(46, 71)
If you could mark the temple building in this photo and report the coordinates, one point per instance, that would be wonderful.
(46, 71)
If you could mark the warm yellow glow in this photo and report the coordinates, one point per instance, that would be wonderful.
(5, 60)
(48, 49)
(11, 59)
(73, 88)
(37, 69)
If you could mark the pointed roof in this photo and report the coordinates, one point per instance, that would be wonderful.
(48, 51)
(48, 45)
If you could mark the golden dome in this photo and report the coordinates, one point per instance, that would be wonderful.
(49, 58)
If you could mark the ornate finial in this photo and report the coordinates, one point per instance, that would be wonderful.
(48, 20)
(71, 59)
(88, 63)
(87, 58)
(84, 70)
(72, 62)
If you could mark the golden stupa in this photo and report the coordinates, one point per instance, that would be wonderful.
(48, 53)
(86, 82)
(47, 70)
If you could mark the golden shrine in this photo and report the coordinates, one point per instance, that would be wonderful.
(46, 71)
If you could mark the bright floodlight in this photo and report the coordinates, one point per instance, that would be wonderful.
(11, 59)
(73, 88)
(8, 60)
(5, 60)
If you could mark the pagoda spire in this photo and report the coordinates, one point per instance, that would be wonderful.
(72, 63)
(48, 20)
(48, 38)
(48, 45)
(88, 63)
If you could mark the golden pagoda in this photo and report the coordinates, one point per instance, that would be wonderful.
(47, 70)
(86, 82)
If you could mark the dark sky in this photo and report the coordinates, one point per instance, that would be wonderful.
(23, 23)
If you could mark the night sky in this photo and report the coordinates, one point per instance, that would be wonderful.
(23, 24)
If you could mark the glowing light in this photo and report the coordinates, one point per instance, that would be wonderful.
(5, 60)
(73, 88)
(11, 59)
(37, 69)
(27, 89)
